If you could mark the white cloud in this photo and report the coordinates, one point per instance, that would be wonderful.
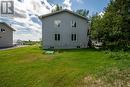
(67, 4)
(38, 7)
(25, 21)
(36, 36)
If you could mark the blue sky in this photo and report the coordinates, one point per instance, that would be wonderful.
(91, 5)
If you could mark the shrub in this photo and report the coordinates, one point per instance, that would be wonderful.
(119, 45)
(119, 55)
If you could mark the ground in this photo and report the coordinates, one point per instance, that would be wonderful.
(31, 67)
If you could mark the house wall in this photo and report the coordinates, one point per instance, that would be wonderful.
(6, 38)
(65, 31)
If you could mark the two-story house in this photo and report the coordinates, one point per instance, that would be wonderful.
(64, 30)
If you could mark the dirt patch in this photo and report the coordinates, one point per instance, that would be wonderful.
(91, 81)
(117, 77)
(110, 78)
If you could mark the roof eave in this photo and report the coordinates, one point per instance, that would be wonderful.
(8, 26)
(65, 10)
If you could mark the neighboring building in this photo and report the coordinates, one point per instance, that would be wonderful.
(64, 30)
(6, 35)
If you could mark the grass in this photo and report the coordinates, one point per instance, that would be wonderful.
(31, 67)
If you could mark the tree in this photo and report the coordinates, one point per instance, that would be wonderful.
(57, 8)
(96, 27)
(113, 27)
(83, 12)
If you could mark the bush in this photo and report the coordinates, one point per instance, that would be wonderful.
(119, 45)
(119, 55)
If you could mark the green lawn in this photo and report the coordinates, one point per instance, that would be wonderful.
(31, 67)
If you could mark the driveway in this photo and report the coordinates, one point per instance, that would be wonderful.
(13, 47)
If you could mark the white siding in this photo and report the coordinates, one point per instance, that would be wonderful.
(65, 30)
(6, 38)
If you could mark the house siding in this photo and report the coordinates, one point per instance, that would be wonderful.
(6, 39)
(65, 31)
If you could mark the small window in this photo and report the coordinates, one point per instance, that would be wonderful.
(73, 37)
(57, 37)
(78, 46)
(57, 23)
(74, 24)
(51, 47)
(2, 30)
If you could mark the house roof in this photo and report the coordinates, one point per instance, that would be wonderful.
(7, 25)
(65, 10)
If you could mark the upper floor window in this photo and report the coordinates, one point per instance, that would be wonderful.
(73, 37)
(57, 37)
(74, 24)
(57, 23)
(2, 30)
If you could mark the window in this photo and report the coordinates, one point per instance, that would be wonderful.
(73, 37)
(51, 47)
(57, 23)
(57, 37)
(74, 24)
(2, 30)
(78, 46)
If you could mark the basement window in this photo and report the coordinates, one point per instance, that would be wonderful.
(51, 47)
(78, 46)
